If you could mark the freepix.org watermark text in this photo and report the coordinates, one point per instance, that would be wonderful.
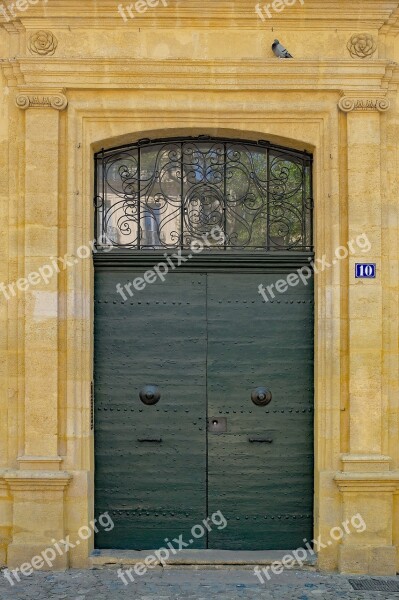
(171, 262)
(10, 11)
(172, 547)
(299, 556)
(49, 555)
(138, 8)
(316, 266)
(277, 7)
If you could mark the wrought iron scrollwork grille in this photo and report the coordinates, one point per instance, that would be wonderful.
(165, 194)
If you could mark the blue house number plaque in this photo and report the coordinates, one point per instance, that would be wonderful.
(365, 270)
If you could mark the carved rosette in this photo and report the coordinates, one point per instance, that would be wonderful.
(348, 104)
(56, 101)
(362, 45)
(43, 43)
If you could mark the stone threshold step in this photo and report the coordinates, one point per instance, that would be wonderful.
(197, 558)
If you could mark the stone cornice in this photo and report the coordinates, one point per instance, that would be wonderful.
(3, 483)
(15, 26)
(41, 99)
(392, 23)
(370, 77)
(226, 14)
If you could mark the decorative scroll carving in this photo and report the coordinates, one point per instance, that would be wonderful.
(347, 104)
(57, 101)
(43, 43)
(362, 45)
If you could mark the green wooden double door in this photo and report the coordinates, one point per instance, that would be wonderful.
(203, 342)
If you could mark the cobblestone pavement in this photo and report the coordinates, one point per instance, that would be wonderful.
(184, 584)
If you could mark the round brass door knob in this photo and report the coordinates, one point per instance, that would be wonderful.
(261, 396)
(150, 394)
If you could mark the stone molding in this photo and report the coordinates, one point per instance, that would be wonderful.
(348, 104)
(360, 463)
(27, 100)
(3, 483)
(343, 76)
(40, 463)
(387, 482)
(210, 14)
(37, 480)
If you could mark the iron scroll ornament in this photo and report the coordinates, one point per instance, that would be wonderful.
(166, 194)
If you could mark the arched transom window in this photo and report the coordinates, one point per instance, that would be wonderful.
(164, 194)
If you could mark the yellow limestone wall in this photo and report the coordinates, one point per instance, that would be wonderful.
(93, 80)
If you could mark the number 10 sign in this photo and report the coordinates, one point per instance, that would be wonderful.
(365, 270)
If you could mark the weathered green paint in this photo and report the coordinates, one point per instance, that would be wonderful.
(263, 489)
(151, 490)
(207, 339)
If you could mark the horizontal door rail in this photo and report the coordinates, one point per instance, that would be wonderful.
(281, 262)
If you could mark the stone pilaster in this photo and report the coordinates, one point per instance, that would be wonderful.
(41, 294)
(366, 482)
(37, 489)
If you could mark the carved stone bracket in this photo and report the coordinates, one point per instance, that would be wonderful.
(348, 104)
(26, 100)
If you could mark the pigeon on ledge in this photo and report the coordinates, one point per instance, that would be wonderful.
(280, 51)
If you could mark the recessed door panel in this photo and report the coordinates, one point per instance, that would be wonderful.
(260, 470)
(150, 458)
